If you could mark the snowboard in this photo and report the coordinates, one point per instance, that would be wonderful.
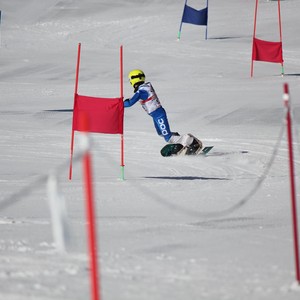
(178, 149)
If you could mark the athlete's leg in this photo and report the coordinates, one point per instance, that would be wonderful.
(161, 123)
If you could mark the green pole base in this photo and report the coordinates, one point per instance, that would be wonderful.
(122, 173)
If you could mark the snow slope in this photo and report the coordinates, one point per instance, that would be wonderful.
(168, 230)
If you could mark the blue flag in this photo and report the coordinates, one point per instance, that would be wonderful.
(193, 16)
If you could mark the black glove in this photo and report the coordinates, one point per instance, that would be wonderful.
(126, 101)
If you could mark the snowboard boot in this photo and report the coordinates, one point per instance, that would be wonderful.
(194, 148)
(185, 140)
(174, 138)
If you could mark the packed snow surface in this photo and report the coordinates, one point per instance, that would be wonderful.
(210, 227)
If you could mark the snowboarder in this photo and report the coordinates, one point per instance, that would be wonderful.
(146, 95)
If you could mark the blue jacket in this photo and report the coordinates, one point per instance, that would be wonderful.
(140, 94)
(146, 96)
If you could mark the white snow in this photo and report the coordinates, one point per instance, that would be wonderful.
(165, 232)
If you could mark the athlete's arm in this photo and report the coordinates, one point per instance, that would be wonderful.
(141, 94)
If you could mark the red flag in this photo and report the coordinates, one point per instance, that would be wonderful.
(267, 51)
(105, 115)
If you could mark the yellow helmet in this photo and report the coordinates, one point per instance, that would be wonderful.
(136, 76)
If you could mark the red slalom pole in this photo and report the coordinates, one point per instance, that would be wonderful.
(122, 97)
(90, 214)
(286, 99)
(75, 93)
(280, 33)
(254, 34)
